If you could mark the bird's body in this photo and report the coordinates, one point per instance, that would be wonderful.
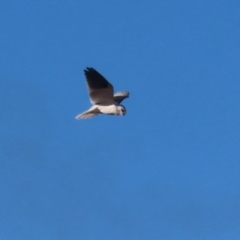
(102, 97)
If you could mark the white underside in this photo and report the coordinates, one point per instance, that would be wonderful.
(109, 109)
(110, 105)
(97, 109)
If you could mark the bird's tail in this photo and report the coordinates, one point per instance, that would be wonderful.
(85, 115)
(92, 112)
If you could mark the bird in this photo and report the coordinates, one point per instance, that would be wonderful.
(102, 96)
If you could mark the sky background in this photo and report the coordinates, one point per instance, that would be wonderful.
(167, 170)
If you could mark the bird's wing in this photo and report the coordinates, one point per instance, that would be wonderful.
(120, 96)
(92, 112)
(100, 90)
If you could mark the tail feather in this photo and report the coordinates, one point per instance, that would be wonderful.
(85, 115)
(92, 112)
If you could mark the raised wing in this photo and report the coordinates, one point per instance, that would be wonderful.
(120, 96)
(100, 90)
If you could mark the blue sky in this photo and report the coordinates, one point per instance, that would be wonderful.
(167, 170)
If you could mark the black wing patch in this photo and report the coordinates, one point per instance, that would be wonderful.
(94, 79)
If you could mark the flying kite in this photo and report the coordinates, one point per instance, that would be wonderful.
(102, 96)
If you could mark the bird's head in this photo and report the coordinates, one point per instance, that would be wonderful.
(121, 110)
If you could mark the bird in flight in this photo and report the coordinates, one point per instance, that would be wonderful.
(102, 96)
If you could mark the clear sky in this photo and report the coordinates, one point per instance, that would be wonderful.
(167, 170)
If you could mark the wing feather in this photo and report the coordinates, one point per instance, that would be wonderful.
(100, 90)
(120, 96)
